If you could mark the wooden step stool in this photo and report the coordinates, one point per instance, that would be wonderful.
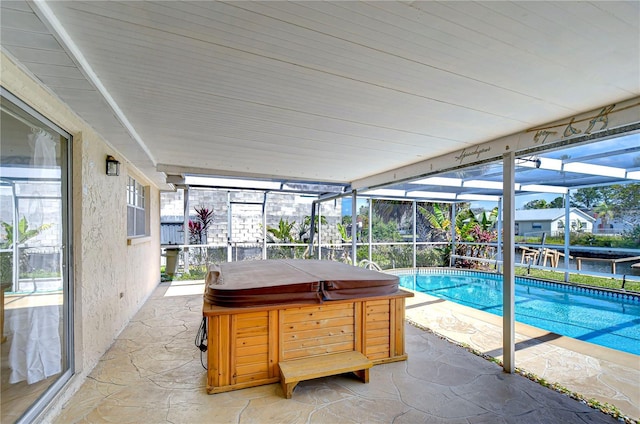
(296, 370)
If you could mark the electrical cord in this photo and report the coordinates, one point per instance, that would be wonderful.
(201, 340)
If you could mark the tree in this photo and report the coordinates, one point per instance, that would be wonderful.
(586, 197)
(389, 210)
(536, 204)
(626, 197)
(605, 212)
(557, 203)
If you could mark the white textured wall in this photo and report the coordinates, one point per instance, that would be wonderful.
(112, 279)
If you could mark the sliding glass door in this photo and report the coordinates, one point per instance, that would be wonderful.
(34, 260)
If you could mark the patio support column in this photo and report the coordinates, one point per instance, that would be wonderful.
(185, 228)
(312, 232)
(313, 225)
(370, 228)
(567, 233)
(264, 225)
(508, 277)
(498, 248)
(354, 225)
(415, 230)
(453, 234)
(229, 235)
(15, 263)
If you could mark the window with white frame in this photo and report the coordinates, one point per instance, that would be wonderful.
(136, 209)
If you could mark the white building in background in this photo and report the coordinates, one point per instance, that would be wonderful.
(552, 221)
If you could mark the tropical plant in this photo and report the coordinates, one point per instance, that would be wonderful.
(343, 233)
(24, 233)
(198, 234)
(438, 218)
(305, 227)
(199, 226)
(383, 231)
(577, 225)
(283, 233)
(475, 230)
(487, 220)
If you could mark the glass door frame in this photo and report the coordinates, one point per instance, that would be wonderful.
(68, 368)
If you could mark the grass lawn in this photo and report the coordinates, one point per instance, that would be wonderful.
(585, 280)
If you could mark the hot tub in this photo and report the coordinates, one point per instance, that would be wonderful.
(259, 313)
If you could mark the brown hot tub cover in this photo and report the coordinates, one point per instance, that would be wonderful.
(269, 282)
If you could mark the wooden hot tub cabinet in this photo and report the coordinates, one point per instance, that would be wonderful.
(245, 344)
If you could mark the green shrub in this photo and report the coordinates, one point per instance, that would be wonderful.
(6, 268)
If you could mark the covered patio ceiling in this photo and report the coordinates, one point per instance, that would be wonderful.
(330, 92)
(605, 162)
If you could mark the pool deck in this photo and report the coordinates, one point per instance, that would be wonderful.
(152, 374)
(593, 371)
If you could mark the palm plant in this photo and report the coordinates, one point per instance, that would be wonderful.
(605, 212)
(469, 228)
(284, 233)
(343, 233)
(24, 233)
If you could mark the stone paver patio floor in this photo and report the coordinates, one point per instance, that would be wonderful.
(153, 374)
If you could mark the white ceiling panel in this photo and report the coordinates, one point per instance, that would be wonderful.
(322, 91)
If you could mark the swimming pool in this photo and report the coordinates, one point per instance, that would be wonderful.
(596, 316)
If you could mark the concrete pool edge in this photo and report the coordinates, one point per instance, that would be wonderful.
(594, 371)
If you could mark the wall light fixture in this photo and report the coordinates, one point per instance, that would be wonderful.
(113, 166)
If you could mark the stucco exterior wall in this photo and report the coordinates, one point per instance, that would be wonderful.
(111, 278)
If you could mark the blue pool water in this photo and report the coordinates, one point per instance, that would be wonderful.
(595, 316)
